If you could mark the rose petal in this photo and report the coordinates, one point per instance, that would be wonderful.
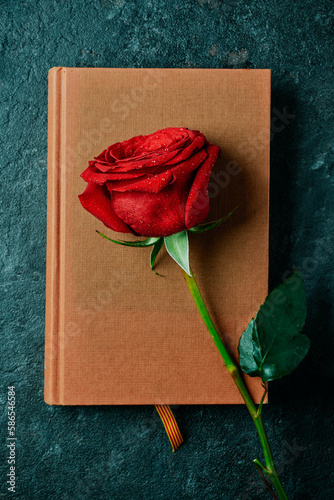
(188, 165)
(159, 158)
(153, 156)
(154, 214)
(197, 207)
(102, 156)
(118, 150)
(157, 182)
(155, 160)
(96, 200)
(92, 174)
(162, 139)
(149, 184)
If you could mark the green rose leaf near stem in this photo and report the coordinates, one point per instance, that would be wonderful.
(272, 346)
(210, 225)
(177, 245)
(144, 243)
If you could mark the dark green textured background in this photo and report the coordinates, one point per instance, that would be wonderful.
(122, 452)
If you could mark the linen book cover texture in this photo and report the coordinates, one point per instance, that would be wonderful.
(116, 333)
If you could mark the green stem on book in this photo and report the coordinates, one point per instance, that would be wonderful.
(234, 371)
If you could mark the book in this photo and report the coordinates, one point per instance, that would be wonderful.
(115, 332)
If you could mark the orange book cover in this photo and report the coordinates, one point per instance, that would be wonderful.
(116, 333)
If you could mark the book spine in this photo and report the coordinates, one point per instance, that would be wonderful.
(53, 369)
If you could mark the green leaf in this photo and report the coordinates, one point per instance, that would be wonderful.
(155, 250)
(177, 246)
(272, 346)
(210, 225)
(143, 243)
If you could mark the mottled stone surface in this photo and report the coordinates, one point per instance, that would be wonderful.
(122, 452)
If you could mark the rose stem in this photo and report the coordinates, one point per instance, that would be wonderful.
(234, 371)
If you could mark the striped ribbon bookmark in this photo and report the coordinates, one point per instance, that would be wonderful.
(171, 427)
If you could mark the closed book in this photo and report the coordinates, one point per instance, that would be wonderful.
(116, 333)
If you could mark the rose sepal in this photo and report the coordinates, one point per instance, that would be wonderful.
(142, 243)
(177, 245)
(211, 225)
(155, 250)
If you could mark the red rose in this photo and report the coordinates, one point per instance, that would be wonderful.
(151, 185)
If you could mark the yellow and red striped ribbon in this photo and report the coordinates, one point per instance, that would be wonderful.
(171, 427)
